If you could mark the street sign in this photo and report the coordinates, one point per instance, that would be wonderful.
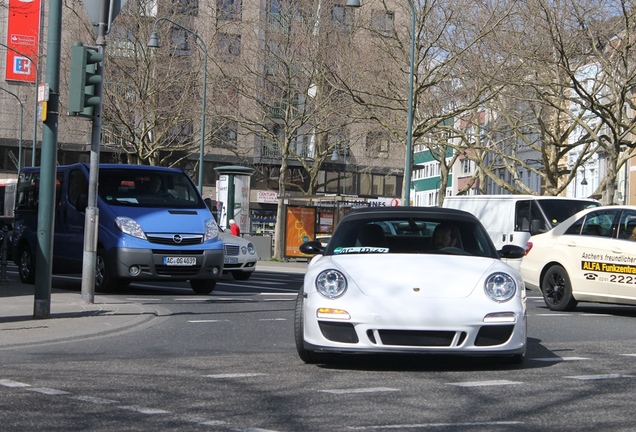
(93, 7)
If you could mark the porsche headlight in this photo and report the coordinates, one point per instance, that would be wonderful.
(211, 230)
(130, 226)
(331, 283)
(500, 287)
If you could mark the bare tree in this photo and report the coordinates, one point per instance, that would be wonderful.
(289, 109)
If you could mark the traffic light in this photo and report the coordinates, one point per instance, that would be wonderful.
(85, 76)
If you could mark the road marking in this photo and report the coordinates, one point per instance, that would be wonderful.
(207, 321)
(201, 420)
(555, 315)
(437, 425)
(360, 390)
(273, 319)
(235, 375)
(485, 383)
(93, 399)
(629, 355)
(48, 391)
(11, 383)
(598, 377)
(144, 410)
(559, 359)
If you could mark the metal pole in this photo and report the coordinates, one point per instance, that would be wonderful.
(35, 109)
(205, 81)
(46, 214)
(91, 221)
(409, 124)
(21, 126)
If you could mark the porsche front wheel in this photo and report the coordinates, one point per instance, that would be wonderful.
(557, 289)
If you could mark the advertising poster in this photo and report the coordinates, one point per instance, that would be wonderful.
(23, 36)
(299, 229)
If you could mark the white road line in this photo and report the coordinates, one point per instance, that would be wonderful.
(437, 425)
(598, 377)
(629, 355)
(93, 399)
(360, 390)
(485, 383)
(11, 383)
(48, 391)
(559, 359)
(207, 321)
(201, 420)
(235, 375)
(144, 410)
(555, 315)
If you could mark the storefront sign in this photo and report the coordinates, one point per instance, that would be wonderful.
(299, 229)
(23, 36)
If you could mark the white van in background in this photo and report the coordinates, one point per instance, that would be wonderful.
(512, 219)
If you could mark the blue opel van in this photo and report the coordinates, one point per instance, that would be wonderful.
(153, 226)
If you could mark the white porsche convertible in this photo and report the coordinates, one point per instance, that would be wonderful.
(410, 280)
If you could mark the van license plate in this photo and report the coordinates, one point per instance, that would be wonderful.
(179, 261)
(231, 260)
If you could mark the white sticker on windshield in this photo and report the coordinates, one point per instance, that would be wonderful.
(360, 249)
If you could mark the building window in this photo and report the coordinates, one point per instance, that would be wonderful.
(383, 22)
(228, 9)
(377, 144)
(229, 46)
(186, 7)
(180, 41)
(225, 135)
(341, 15)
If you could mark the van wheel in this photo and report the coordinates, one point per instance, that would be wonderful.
(26, 265)
(557, 289)
(104, 282)
(203, 286)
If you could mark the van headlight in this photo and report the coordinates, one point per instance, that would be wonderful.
(331, 284)
(211, 230)
(130, 226)
(500, 287)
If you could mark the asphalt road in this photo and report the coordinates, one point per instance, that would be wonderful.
(227, 362)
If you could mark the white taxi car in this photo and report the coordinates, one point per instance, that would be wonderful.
(385, 284)
(240, 255)
(587, 258)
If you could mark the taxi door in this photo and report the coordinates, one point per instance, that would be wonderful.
(585, 248)
(622, 282)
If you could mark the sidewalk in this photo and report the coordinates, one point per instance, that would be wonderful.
(70, 318)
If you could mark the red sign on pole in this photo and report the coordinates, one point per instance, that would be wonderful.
(23, 40)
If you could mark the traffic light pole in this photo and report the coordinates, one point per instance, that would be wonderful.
(91, 224)
(46, 203)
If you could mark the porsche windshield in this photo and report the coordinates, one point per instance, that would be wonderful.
(412, 235)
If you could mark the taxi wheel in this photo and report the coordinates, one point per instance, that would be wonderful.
(203, 286)
(557, 289)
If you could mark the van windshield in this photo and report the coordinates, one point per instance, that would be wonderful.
(145, 188)
(556, 211)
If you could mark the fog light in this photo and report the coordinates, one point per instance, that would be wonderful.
(501, 317)
(134, 270)
(215, 270)
(333, 313)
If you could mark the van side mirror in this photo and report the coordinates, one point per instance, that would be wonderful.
(536, 227)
